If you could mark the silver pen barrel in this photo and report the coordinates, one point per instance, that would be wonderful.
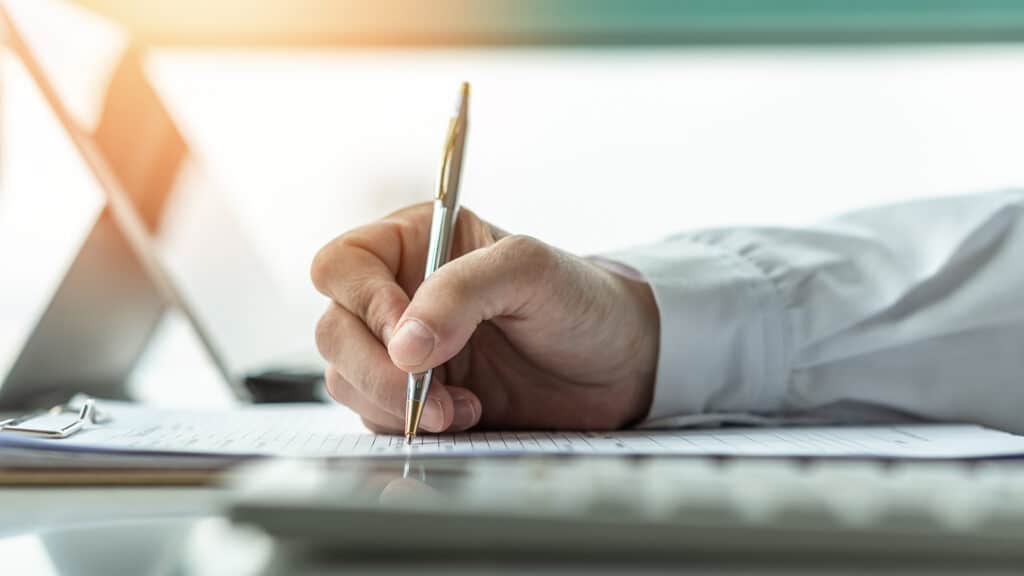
(437, 254)
(442, 234)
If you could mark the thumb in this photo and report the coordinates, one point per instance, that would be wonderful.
(499, 280)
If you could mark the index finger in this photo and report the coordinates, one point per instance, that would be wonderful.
(359, 270)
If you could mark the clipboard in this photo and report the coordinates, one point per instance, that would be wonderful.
(61, 421)
(34, 468)
(59, 477)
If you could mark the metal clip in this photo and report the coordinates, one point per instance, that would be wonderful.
(61, 421)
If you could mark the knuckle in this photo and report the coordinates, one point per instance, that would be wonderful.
(354, 292)
(522, 248)
(515, 244)
(529, 256)
(374, 300)
(336, 387)
(383, 309)
(326, 333)
(411, 213)
(338, 257)
(320, 268)
(382, 386)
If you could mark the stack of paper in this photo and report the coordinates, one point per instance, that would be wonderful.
(147, 435)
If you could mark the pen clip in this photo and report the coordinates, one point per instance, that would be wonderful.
(446, 160)
(453, 143)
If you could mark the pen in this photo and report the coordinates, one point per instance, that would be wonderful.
(442, 229)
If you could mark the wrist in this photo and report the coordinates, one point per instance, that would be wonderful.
(641, 337)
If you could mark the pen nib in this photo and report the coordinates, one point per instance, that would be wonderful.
(413, 411)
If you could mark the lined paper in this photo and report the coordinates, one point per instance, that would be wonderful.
(326, 431)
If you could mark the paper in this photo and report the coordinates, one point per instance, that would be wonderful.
(320, 430)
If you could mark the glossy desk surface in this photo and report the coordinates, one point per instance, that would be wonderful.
(155, 531)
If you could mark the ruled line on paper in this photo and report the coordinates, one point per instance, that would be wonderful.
(315, 431)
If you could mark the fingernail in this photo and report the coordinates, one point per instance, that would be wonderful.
(412, 344)
(433, 415)
(465, 413)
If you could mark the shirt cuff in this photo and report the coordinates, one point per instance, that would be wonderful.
(723, 347)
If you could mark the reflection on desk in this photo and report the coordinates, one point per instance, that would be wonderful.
(567, 502)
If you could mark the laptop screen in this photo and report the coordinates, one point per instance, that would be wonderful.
(107, 222)
(49, 203)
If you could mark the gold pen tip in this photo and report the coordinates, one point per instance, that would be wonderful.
(413, 412)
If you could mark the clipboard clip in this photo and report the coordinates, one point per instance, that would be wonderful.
(61, 421)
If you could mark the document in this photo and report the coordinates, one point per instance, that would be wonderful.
(325, 431)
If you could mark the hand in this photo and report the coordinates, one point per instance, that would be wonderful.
(520, 334)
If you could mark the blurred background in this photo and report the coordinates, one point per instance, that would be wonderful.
(305, 129)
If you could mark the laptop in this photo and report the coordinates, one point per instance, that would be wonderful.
(163, 240)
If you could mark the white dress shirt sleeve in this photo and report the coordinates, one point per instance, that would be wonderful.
(914, 309)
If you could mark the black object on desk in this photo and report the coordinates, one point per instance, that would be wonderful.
(285, 385)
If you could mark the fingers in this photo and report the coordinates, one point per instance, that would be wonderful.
(368, 274)
(347, 345)
(371, 270)
(467, 408)
(359, 271)
(363, 378)
(361, 361)
(500, 280)
(374, 417)
(466, 413)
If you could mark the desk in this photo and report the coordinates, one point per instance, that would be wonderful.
(156, 531)
(31, 510)
(97, 530)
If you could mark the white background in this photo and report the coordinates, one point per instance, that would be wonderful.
(586, 149)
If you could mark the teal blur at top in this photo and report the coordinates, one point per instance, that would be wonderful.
(564, 22)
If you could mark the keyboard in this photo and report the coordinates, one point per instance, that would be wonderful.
(641, 507)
